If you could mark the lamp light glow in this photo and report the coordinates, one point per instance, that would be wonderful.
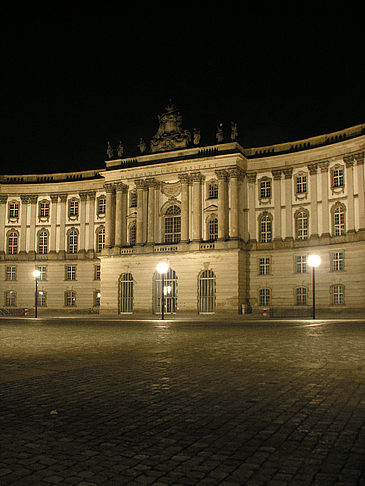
(314, 260)
(162, 267)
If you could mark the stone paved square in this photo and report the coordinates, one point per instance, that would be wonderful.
(115, 402)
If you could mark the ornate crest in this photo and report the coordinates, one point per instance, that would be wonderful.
(170, 134)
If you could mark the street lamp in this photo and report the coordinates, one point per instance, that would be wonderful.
(162, 268)
(314, 261)
(36, 275)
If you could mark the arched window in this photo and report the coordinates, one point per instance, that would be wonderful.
(12, 242)
(338, 219)
(132, 233)
(170, 292)
(100, 238)
(126, 293)
(43, 242)
(301, 218)
(72, 241)
(206, 284)
(265, 228)
(173, 224)
(212, 228)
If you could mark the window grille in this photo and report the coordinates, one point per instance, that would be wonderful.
(173, 225)
(132, 234)
(97, 272)
(73, 208)
(42, 298)
(126, 293)
(207, 292)
(133, 199)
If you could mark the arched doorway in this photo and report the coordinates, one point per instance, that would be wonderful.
(206, 297)
(126, 293)
(170, 284)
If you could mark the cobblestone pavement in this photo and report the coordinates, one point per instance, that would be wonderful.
(93, 402)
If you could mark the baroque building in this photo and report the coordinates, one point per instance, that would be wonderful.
(235, 226)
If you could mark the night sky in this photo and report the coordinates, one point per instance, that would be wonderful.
(72, 81)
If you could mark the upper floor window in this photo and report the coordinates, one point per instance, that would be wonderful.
(101, 205)
(72, 241)
(337, 261)
(301, 224)
(301, 264)
(337, 174)
(97, 272)
(132, 199)
(12, 242)
(212, 228)
(212, 190)
(13, 210)
(42, 272)
(100, 238)
(132, 233)
(44, 209)
(265, 188)
(172, 224)
(43, 242)
(10, 272)
(301, 184)
(73, 208)
(264, 265)
(70, 272)
(265, 228)
(338, 294)
(338, 219)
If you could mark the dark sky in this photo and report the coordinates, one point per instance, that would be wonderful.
(72, 81)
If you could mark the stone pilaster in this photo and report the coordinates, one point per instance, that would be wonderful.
(3, 200)
(313, 168)
(251, 178)
(360, 185)
(151, 184)
(197, 179)
(185, 210)
(82, 238)
(349, 181)
(91, 199)
(277, 204)
(120, 188)
(235, 178)
(33, 221)
(324, 184)
(288, 174)
(140, 185)
(25, 200)
(109, 214)
(52, 242)
(63, 209)
(222, 204)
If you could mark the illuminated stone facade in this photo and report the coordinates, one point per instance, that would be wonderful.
(234, 224)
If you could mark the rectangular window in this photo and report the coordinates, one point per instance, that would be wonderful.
(264, 266)
(44, 209)
(337, 261)
(97, 296)
(10, 272)
(97, 272)
(13, 210)
(212, 190)
(73, 208)
(42, 272)
(337, 177)
(70, 272)
(265, 297)
(301, 264)
(133, 199)
(301, 296)
(265, 189)
(42, 298)
(337, 294)
(10, 298)
(101, 205)
(70, 298)
(301, 184)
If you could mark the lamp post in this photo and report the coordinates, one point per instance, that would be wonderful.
(314, 261)
(36, 275)
(162, 268)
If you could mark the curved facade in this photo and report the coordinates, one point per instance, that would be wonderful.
(235, 226)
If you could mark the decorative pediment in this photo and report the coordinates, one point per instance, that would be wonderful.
(211, 208)
(170, 134)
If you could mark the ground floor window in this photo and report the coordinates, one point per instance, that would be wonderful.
(126, 293)
(170, 292)
(10, 298)
(338, 293)
(206, 291)
(301, 294)
(265, 297)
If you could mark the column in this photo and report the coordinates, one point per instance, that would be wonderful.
(83, 198)
(288, 173)
(119, 187)
(251, 178)
(52, 243)
(360, 184)
(324, 186)
(3, 199)
(23, 222)
(196, 179)
(140, 184)
(235, 177)
(124, 214)
(222, 204)
(33, 221)
(150, 184)
(109, 215)
(277, 204)
(63, 199)
(91, 197)
(349, 181)
(185, 180)
(314, 206)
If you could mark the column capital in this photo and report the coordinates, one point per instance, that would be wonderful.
(3, 198)
(312, 168)
(236, 173)
(63, 197)
(324, 166)
(184, 178)
(276, 173)
(120, 187)
(91, 195)
(54, 197)
(33, 198)
(359, 158)
(151, 182)
(251, 177)
(109, 188)
(196, 177)
(221, 174)
(25, 199)
(288, 172)
(83, 195)
(140, 183)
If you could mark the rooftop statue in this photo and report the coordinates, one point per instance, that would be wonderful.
(170, 134)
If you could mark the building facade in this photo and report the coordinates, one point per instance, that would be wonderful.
(235, 226)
